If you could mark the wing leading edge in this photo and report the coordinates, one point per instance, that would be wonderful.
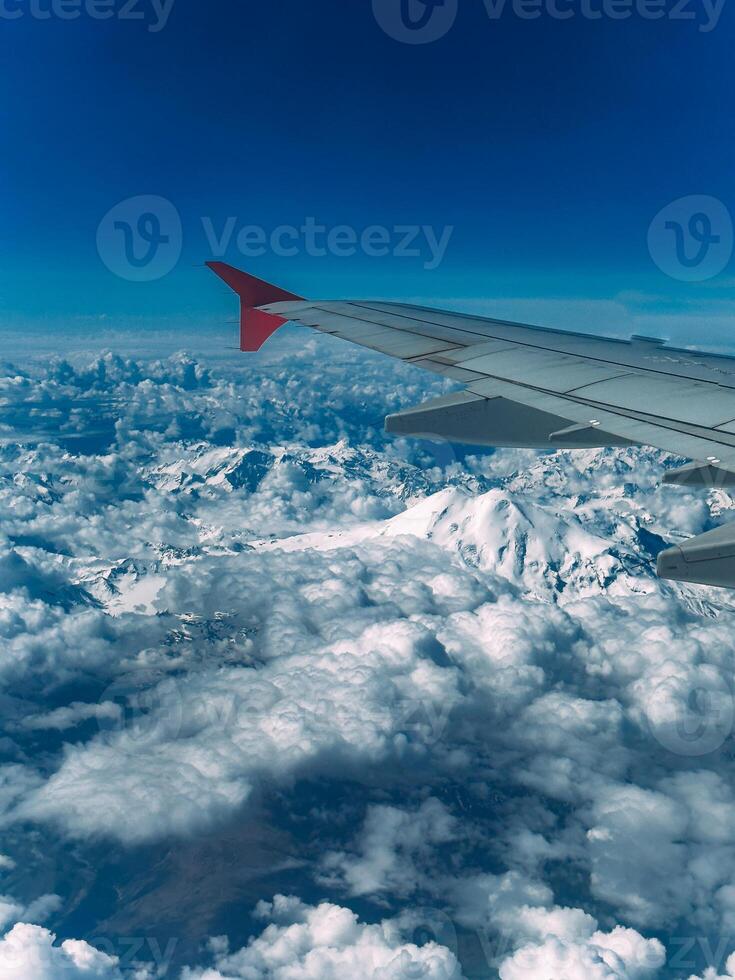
(529, 386)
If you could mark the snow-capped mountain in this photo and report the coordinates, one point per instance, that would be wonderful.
(558, 527)
(563, 527)
(202, 468)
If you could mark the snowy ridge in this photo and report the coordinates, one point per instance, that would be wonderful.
(544, 528)
(559, 528)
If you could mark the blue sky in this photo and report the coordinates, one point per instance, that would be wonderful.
(548, 146)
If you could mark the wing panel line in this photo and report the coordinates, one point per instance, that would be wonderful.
(523, 343)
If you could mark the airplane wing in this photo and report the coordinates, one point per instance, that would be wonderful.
(534, 387)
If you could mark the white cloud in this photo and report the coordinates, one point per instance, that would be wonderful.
(391, 843)
(712, 974)
(620, 955)
(638, 857)
(327, 942)
(292, 599)
(211, 736)
(31, 951)
(72, 715)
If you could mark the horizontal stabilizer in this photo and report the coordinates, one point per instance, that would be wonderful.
(256, 325)
(708, 559)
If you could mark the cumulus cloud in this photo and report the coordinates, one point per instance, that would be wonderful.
(620, 955)
(327, 942)
(31, 951)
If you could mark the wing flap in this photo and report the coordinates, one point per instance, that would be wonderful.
(491, 421)
(649, 432)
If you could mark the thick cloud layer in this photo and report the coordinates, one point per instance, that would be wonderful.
(223, 586)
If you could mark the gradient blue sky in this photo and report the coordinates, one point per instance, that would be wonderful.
(548, 145)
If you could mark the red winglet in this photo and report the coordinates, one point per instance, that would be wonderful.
(256, 326)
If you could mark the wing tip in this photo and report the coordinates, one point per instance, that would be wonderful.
(253, 291)
(256, 325)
